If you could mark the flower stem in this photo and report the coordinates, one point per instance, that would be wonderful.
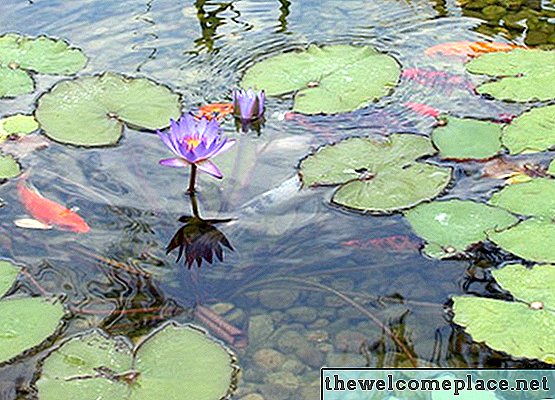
(194, 204)
(192, 179)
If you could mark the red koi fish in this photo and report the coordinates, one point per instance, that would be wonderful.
(438, 79)
(47, 213)
(423, 109)
(395, 242)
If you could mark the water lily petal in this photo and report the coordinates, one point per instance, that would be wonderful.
(224, 146)
(174, 162)
(210, 168)
(167, 140)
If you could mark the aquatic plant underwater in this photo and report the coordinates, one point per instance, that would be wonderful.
(413, 176)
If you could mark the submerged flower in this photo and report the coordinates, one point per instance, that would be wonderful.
(195, 143)
(248, 105)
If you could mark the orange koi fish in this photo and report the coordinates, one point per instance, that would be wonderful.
(468, 49)
(218, 110)
(47, 213)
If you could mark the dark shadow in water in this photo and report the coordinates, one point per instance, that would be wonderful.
(285, 11)
(198, 239)
(209, 22)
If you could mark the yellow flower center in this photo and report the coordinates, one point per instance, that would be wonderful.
(192, 143)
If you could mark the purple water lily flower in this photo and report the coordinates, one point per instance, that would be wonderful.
(195, 143)
(248, 104)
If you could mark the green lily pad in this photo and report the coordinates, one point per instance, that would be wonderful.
(14, 82)
(9, 168)
(377, 176)
(533, 198)
(533, 131)
(18, 124)
(329, 79)
(465, 139)
(8, 275)
(532, 239)
(92, 111)
(174, 362)
(451, 227)
(26, 322)
(520, 328)
(551, 169)
(524, 75)
(20, 55)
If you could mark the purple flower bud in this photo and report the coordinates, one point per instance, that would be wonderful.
(248, 105)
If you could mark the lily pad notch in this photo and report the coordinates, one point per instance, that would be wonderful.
(522, 328)
(173, 362)
(21, 57)
(377, 176)
(91, 111)
(330, 79)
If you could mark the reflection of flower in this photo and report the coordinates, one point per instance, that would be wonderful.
(248, 105)
(199, 239)
(195, 143)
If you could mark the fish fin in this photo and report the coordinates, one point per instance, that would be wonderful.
(29, 223)
(74, 209)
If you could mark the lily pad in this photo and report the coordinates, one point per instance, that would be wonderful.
(20, 55)
(9, 168)
(18, 124)
(92, 111)
(174, 362)
(523, 75)
(329, 79)
(532, 239)
(451, 227)
(521, 328)
(464, 139)
(8, 275)
(533, 131)
(533, 198)
(25, 321)
(551, 169)
(377, 176)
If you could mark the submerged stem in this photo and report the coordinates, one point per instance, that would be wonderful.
(192, 179)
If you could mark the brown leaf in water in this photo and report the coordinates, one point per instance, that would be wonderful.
(21, 147)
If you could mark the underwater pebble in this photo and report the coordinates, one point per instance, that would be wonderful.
(345, 360)
(268, 359)
(293, 365)
(305, 315)
(277, 299)
(278, 316)
(317, 336)
(260, 329)
(349, 341)
(310, 356)
(222, 308)
(290, 341)
(236, 316)
(319, 323)
(253, 396)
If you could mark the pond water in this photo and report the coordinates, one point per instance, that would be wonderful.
(305, 278)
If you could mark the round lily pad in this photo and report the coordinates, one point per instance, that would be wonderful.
(523, 75)
(464, 139)
(521, 328)
(533, 198)
(26, 322)
(20, 55)
(378, 176)
(329, 79)
(18, 124)
(533, 131)
(451, 227)
(532, 239)
(92, 111)
(8, 275)
(9, 168)
(174, 362)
